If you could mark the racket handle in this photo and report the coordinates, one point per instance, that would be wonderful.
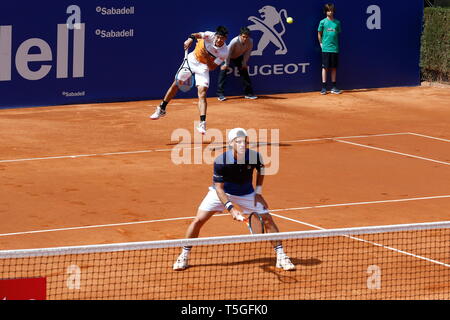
(240, 218)
(186, 53)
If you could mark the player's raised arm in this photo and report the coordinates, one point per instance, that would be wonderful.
(191, 39)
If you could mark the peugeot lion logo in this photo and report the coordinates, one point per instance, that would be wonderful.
(270, 18)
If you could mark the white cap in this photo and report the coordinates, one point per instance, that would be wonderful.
(235, 133)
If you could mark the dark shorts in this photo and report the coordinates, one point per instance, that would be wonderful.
(330, 60)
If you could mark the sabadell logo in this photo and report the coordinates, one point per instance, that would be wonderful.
(46, 52)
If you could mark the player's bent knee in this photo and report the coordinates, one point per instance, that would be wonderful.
(197, 222)
(202, 217)
(269, 223)
(202, 92)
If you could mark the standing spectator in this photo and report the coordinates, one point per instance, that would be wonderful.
(239, 50)
(328, 34)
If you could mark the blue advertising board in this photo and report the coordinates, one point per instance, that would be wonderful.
(81, 51)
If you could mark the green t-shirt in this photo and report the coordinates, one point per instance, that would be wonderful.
(330, 30)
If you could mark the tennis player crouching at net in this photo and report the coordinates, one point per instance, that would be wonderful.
(233, 175)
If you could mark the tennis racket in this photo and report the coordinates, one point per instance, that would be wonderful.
(184, 78)
(255, 223)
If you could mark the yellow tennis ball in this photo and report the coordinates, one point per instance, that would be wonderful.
(289, 20)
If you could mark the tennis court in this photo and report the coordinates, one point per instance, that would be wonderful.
(103, 174)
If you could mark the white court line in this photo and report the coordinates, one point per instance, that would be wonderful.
(361, 203)
(193, 148)
(219, 215)
(429, 137)
(77, 156)
(92, 155)
(395, 152)
(170, 149)
(370, 242)
(93, 226)
(348, 137)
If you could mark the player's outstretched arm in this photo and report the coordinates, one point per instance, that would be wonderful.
(235, 213)
(190, 40)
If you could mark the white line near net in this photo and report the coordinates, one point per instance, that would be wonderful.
(368, 242)
(219, 215)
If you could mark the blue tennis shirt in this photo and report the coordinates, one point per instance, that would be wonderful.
(237, 176)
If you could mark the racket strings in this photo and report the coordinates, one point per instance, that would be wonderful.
(185, 79)
(256, 224)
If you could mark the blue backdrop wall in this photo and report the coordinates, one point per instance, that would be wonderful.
(79, 51)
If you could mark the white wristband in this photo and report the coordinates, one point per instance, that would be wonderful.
(228, 205)
(218, 61)
(258, 190)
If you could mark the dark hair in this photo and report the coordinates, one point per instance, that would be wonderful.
(245, 30)
(329, 7)
(222, 31)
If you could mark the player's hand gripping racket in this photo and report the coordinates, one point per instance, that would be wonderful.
(184, 78)
(255, 223)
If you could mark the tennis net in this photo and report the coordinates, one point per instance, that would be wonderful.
(384, 262)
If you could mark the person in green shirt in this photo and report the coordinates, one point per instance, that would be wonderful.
(328, 34)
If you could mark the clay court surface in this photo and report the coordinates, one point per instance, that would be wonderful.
(102, 173)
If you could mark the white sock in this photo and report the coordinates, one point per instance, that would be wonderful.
(279, 250)
(186, 250)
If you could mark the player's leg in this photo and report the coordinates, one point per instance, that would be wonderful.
(247, 203)
(192, 231)
(269, 224)
(283, 261)
(202, 103)
(171, 92)
(202, 82)
(200, 219)
(161, 109)
(202, 107)
(209, 206)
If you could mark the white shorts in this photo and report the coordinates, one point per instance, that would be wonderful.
(211, 202)
(200, 70)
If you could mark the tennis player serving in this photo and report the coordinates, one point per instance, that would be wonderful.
(210, 52)
(233, 185)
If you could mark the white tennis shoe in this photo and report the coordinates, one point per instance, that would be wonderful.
(336, 91)
(283, 262)
(159, 113)
(182, 262)
(202, 127)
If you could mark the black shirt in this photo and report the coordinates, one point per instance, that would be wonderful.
(237, 176)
